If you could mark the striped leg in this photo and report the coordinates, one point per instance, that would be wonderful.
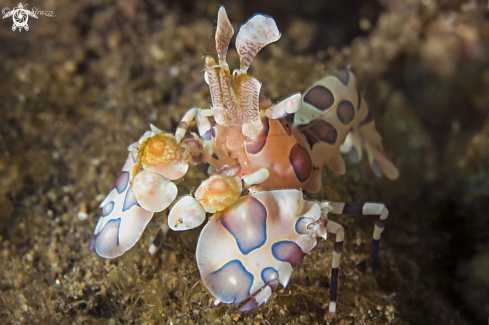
(200, 116)
(185, 123)
(337, 229)
(368, 209)
(204, 126)
(157, 242)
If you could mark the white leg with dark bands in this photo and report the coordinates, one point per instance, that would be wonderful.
(185, 123)
(157, 242)
(339, 232)
(367, 209)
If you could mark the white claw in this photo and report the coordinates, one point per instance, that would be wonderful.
(153, 192)
(186, 214)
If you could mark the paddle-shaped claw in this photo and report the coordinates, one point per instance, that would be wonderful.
(123, 220)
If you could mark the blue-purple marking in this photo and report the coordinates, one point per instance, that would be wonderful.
(129, 201)
(99, 246)
(320, 97)
(255, 146)
(107, 209)
(268, 274)
(206, 136)
(288, 251)
(345, 112)
(122, 182)
(249, 233)
(301, 162)
(301, 225)
(231, 283)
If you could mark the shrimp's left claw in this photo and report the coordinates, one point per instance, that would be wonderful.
(123, 220)
(144, 186)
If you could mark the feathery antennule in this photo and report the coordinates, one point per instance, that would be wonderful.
(224, 33)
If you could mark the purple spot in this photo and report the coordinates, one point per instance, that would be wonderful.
(320, 97)
(301, 225)
(122, 182)
(288, 251)
(319, 130)
(345, 112)
(107, 240)
(255, 146)
(231, 283)
(301, 162)
(206, 136)
(269, 274)
(129, 201)
(107, 209)
(247, 222)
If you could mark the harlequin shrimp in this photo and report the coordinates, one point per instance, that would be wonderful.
(260, 159)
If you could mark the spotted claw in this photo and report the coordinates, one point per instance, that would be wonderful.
(260, 240)
(143, 187)
(123, 219)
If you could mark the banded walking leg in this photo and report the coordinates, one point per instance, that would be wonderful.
(338, 230)
(185, 123)
(203, 124)
(367, 209)
(157, 242)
